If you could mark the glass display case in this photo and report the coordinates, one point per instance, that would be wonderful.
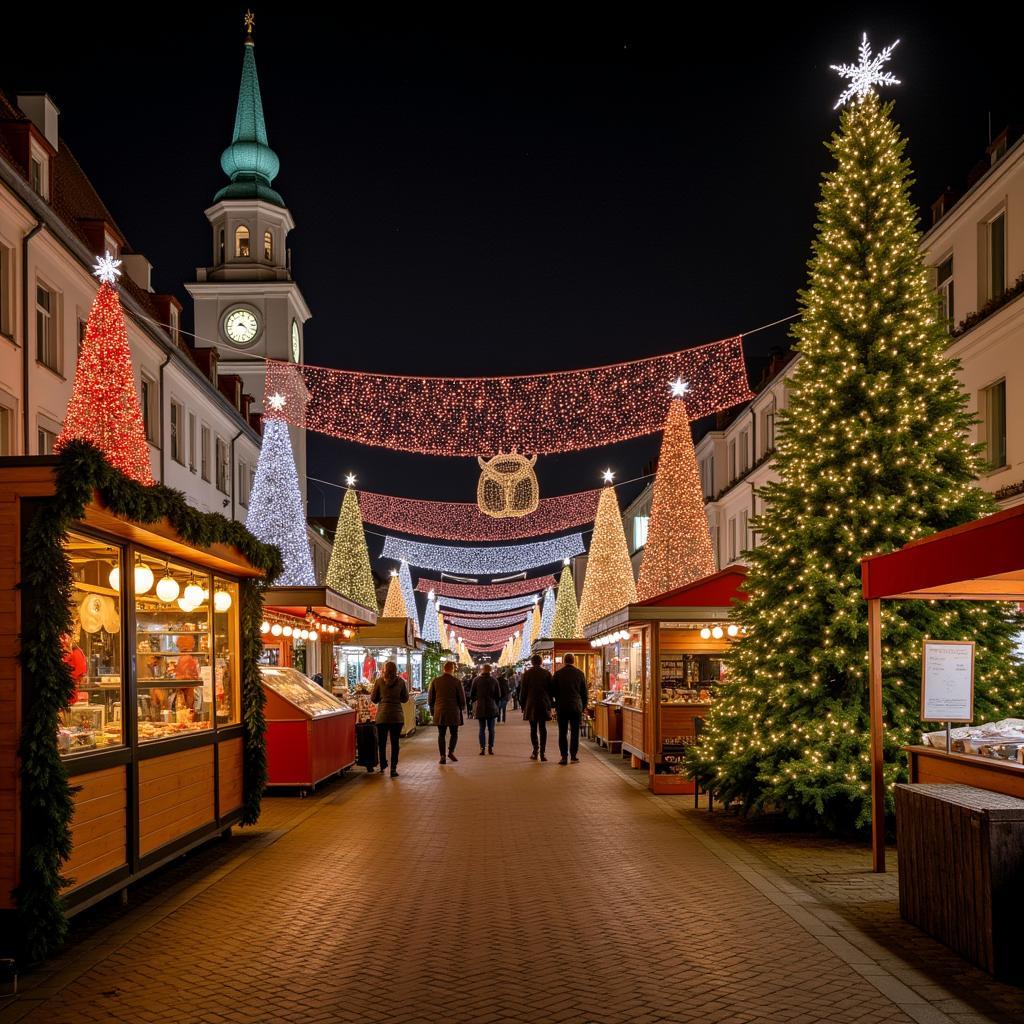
(626, 668)
(300, 691)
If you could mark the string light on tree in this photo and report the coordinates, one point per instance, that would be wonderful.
(485, 591)
(547, 615)
(104, 407)
(565, 625)
(431, 631)
(349, 571)
(394, 601)
(408, 595)
(479, 561)
(608, 584)
(541, 413)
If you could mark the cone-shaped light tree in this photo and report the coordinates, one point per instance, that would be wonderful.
(431, 631)
(547, 615)
(608, 584)
(535, 624)
(349, 571)
(526, 646)
(104, 408)
(408, 595)
(394, 600)
(566, 623)
(678, 549)
(872, 453)
(276, 515)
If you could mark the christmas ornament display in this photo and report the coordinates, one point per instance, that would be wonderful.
(565, 625)
(484, 591)
(608, 584)
(541, 413)
(349, 570)
(678, 549)
(508, 487)
(104, 407)
(479, 561)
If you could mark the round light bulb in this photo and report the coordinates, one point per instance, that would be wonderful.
(705, 633)
(287, 631)
(221, 601)
(194, 594)
(115, 578)
(143, 578)
(264, 626)
(167, 589)
(304, 634)
(313, 635)
(186, 605)
(275, 629)
(718, 632)
(733, 629)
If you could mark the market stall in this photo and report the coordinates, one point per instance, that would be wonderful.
(311, 735)
(979, 561)
(358, 661)
(158, 743)
(661, 660)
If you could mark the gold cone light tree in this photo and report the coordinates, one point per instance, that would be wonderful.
(567, 613)
(609, 584)
(678, 549)
(349, 570)
(394, 601)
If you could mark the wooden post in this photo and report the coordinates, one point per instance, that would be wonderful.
(877, 772)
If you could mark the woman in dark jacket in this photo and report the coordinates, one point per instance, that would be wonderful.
(447, 701)
(389, 694)
(483, 697)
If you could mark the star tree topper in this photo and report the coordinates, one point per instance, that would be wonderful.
(679, 387)
(867, 74)
(276, 401)
(107, 269)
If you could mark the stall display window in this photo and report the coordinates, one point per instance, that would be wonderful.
(690, 678)
(92, 648)
(225, 649)
(173, 650)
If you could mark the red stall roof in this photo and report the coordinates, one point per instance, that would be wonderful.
(980, 561)
(716, 591)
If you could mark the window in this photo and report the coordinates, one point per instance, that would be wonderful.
(992, 428)
(6, 430)
(732, 539)
(243, 483)
(996, 231)
(268, 247)
(223, 469)
(45, 440)
(768, 429)
(151, 409)
(744, 448)
(92, 648)
(35, 175)
(944, 283)
(6, 327)
(744, 543)
(732, 461)
(241, 240)
(640, 527)
(192, 441)
(177, 433)
(82, 328)
(174, 325)
(226, 646)
(220, 246)
(707, 476)
(204, 466)
(47, 347)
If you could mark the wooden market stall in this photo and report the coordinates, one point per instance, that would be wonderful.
(979, 561)
(661, 661)
(149, 754)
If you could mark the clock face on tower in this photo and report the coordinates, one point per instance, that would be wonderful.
(295, 341)
(241, 326)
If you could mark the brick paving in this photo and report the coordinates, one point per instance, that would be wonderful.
(494, 890)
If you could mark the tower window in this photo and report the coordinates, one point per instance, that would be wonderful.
(241, 241)
(268, 247)
(220, 246)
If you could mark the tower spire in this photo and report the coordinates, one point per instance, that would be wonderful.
(249, 161)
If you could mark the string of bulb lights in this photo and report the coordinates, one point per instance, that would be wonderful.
(489, 561)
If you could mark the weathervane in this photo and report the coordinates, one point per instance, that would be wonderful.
(867, 74)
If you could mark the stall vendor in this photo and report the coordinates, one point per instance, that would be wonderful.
(74, 657)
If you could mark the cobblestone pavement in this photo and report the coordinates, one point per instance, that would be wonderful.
(494, 890)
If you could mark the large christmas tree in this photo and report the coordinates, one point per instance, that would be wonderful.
(678, 549)
(349, 570)
(104, 407)
(608, 584)
(566, 624)
(394, 600)
(872, 453)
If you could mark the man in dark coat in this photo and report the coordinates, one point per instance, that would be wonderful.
(535, 696)
(483, 697)
(447, 700)
(503, 692)
(569, 690)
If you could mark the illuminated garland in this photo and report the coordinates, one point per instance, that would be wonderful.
(504, 604)
(539, 413)
(485, 640)
(493, 561)
(462, 521)
(470, 622)
(484, 591)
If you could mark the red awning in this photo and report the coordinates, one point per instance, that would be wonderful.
(716, 591)
(982, 560)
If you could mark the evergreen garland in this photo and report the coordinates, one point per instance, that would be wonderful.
(46, 790)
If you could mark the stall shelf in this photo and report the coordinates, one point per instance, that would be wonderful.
(311, 735)
(658, 669)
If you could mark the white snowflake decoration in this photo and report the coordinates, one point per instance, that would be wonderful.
(276, 401)
(350, 480)
(107, 269)
(867, 74)
(679, 387)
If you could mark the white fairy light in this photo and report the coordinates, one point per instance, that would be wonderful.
(495, 604)
(867, 74)
(430, 630)
(496, 623)
(408, 594)
(547, 614)
(483, 561)
(107, 269)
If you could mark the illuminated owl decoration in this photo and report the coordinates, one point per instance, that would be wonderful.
(508, 486)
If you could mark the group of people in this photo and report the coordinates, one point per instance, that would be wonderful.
(538, 692)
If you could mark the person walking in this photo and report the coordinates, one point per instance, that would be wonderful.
(513, 685)
(483, 696)
(447, 700)
(535, 697)
(389, 694)
(503, 693)
(569, 690)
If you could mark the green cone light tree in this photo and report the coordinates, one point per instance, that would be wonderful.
(349, 571)
(567, 613)
(872, 453)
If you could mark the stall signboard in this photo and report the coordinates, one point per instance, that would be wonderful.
(947, 681)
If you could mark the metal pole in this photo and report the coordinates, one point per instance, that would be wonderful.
(877, 774)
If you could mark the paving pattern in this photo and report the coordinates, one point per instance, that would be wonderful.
(495, 890)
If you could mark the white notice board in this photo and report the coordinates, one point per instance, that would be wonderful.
(947, 681)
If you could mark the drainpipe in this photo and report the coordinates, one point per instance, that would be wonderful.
(233, 473)
(163, 440)
(26, 417)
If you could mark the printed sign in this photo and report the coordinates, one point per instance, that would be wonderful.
(947, 681)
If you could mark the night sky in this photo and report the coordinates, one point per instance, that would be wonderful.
(482, 196)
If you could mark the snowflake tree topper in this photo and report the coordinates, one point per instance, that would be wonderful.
(107, 269)
(867, 74)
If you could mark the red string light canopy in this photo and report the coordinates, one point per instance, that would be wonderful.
(484, 591)
(540, 413)
(460, 520)
(486, 640)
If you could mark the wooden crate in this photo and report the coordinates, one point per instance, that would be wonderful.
(961, 861)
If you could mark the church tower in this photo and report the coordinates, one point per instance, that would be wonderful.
(247, 302)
